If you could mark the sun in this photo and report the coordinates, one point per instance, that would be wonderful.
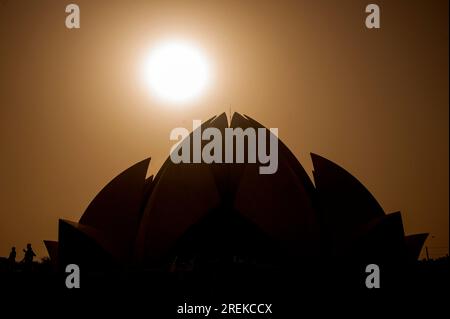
(176, 71)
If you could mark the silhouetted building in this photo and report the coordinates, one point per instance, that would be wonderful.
(191, 216)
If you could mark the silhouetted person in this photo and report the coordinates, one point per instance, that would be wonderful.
(12, 258)
(28, 259)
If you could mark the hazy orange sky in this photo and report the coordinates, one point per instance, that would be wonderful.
(73, 113)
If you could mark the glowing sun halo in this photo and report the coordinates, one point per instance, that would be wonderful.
(176, 72)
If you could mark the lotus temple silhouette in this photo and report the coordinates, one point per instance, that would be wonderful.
(197, 216)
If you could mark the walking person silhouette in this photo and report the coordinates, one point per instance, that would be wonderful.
(28, 258)
(12, 258)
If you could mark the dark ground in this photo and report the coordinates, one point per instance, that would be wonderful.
(335, 287)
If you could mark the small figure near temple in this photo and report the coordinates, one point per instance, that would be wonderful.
(28, 258)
